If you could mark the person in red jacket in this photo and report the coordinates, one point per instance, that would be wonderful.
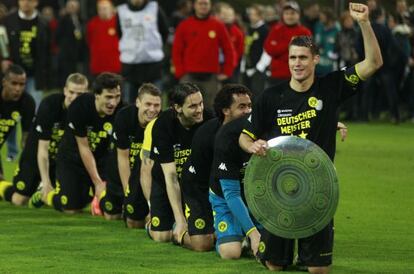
(102, 39)
(197, 42)
(277, 42)
(226, 14)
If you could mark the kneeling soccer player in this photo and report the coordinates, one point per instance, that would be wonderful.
(124, 165)
(15, 106)
(37, 161)
(172, 134)
(232, 220)
(83, 151)
(231, 102)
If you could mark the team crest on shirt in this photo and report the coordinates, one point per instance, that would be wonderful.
(16, 116)
(108, 127)
(212, 34)
(313, 102)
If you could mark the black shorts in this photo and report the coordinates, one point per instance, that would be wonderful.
(162, 217)
(135, 205)
(198, 210)
(27, 178)
(315, 250)
(74, 187)
(112, 199)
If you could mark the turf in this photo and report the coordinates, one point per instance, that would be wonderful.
(374, 223)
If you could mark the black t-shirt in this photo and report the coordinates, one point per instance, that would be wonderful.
(27, 46)
(230, 160)
(312, 114)
(254, 43)
(128, 134)
(83, 120)
(196, 171)
(48, 125)
(171, 142)
(13, 112)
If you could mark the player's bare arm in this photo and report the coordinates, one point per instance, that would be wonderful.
(123, 166)
(90, 164)
(373, 59)
(174, 196)
(251, 146)
(43, 164)
(145, 174)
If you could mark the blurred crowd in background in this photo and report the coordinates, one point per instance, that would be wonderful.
(95, 36)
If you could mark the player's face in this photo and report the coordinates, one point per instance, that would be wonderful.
(149, 107)
(241, 106)
(27, 6)
(192, 109)
(290, 17)
(107, 101)
(13, 86)
(302, 63)
(202, 7)
(72, 91)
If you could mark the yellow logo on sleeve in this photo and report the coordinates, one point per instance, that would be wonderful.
(353, 79)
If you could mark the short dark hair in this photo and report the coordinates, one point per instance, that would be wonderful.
(181, 91)
(13, 69)
(106, 80)
(224, 97)
(305, 41)
(148, 88)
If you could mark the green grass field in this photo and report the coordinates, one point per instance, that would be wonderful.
(374, 223)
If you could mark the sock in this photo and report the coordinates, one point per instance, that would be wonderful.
(6, 190)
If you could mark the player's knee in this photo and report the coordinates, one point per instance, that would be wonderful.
(319, 270)
(230, 252)
(273, 267)
(202, 244)
(112, 217)
(162, 237)
(19, 200)
(134, 224)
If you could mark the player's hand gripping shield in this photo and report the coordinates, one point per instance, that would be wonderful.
(292, 191)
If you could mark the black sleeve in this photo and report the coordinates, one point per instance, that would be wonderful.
(351, 83)
(163, 25)
(162, 141)
(255, 123)
(77, 117)
(44, 120)
(121, 129)
(28, 112)
(225, 160)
